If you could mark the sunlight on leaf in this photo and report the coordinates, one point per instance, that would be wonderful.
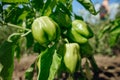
(1, 67)
(88, 5)
(45, 61)
(55, 65)
(48, 64)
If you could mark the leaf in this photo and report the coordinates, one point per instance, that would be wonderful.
(48, 7)
(113, 39)
(14, 1)
(13, 15)
(78, 17)
(30, 72)
(45, 60)
(37, 47)
(114, 35)
(62, 15)
(7, 58)
(64, 8)
(1, 67)
(55, 65)
(86, 50)
(116, 30)
(62, 19)
(88, 5)
(48, 64)
(30, 40)
(104, 30)
(22, 17)
(37, 4)
(17, 51)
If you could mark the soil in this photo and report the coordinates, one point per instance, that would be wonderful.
(109, 67)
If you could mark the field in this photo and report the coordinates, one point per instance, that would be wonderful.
(109, 67)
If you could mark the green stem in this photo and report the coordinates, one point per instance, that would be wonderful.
(13, 25)
(70, 77)
(14, 34)
(16, 26)
(26, 33)
(9, 38)
(96, 69)
(93, 63)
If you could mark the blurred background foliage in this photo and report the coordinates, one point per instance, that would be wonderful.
(102, 45)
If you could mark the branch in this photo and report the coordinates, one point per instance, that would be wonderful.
(13, 25)
(16, 26)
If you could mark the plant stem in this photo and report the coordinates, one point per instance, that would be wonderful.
(96, 69)
(16, 26)
(70, 77)
(13, 25)
(26, 33)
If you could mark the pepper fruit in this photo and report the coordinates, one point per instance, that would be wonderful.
(45, 30)
(82, 28)
(71, 56)
(75, 36)
(80, 32)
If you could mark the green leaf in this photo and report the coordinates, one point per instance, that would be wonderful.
(14, 1)
(64, 8)
(86, 50)
(62, 15)
(56, 62)
(13, 15)
(114, 35)
(48, 7)
(116, 30)
(30, 40)
(30, 72)
(104, 30)
(37, 47)
(88, 5)
(17, 51)
(1, 67)
(78, 17)
(37, 4)
(6, 59)
(48, 64)
(22, 17)
(45, 60)
(113, 39)
(62, 19)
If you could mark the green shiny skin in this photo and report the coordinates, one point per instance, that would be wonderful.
(45, 30)
(71, 56)
(76, 37)
(82, 28)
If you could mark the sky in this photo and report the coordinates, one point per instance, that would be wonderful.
(79, 9)
(110, 1)
(77, 5)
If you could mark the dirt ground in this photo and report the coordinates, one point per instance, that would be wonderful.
(109, 66)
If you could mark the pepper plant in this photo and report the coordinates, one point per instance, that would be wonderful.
(54, 31)
(111, 31)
